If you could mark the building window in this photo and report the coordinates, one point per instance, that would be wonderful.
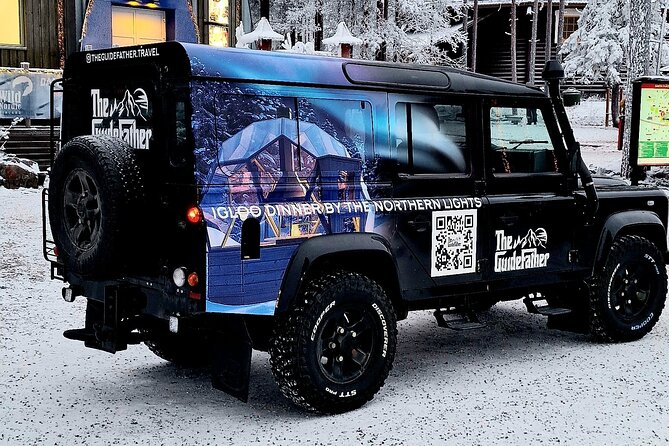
(137, 26)
(10, 31)
(571, 17)
(218, 23)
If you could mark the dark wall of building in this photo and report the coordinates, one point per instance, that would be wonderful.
(40, 31)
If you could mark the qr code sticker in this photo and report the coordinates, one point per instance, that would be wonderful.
(453, 242)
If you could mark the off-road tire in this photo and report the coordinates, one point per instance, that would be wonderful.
(96, 180)
(297, 352)
(183, 350)
(628, 297)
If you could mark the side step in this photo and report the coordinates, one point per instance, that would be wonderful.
(461, 322)
(546, 310)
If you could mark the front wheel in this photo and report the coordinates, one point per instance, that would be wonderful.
(630, 294)
(334, 348)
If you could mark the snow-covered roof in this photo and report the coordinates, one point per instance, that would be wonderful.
(263, 31)
(342, 35)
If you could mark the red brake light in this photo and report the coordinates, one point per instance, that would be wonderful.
(193, 279)
(194, 215)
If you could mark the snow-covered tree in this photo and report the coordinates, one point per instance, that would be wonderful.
(427, 30)
(417, 31)
(597, 50)
(639, 65)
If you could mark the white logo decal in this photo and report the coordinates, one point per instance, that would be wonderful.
(119, 118)
(521, 253)
(384, 324)
(320, 318)
(453, 242)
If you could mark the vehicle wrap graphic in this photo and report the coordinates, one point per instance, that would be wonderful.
(126, 118)
(522, 252)
(300, 167)
(453, 242)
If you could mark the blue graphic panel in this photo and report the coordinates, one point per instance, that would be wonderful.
(294, 164)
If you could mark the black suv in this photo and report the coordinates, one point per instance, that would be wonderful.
(209, 201)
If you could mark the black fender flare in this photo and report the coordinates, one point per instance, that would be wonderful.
(357, 247)
(644, 223)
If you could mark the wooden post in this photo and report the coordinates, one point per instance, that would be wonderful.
(475, 32)
(514, 75)
(549, 29)
(560, 30)
(346, 50)
(265, 44)
(465, 26)
(533, 42)
(608, 98)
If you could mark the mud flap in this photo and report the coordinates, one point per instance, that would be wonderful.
(231, 366)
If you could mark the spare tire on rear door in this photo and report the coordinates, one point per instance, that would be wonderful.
(96, 194)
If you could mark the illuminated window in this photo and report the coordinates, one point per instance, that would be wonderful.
(10, 31)
(137, 26)
(218, 23)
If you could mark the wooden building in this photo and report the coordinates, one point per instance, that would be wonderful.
(493, 53)
(29, 33)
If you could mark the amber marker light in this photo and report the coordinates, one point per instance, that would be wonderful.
(194, 215)
(193, 279)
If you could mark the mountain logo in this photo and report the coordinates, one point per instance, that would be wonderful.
(522, 252)
(125, 119)
(133, 105)
(534, 239)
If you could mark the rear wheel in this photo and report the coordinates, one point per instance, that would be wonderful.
(630, 295)
(333, 350)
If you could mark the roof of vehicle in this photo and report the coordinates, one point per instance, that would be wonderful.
(254, 66)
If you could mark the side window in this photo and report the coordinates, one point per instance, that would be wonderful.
(431, 138)
(519, 142)
(337, 157)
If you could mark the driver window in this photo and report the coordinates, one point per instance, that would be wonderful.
(430, 138)
(520, 142)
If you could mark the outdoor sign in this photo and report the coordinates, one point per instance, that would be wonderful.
(26, 93)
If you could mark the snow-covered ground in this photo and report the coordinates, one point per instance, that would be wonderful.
(514, 382)
(599, 145)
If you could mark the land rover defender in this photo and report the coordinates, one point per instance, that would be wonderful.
(210, 201)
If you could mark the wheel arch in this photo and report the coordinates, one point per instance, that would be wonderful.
(364, 253)
(645, 224)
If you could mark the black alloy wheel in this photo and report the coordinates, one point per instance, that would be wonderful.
(631, 289)
(345, 344)
(81, 209)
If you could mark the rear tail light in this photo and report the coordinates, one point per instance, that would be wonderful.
(193, 279)
(194, 215)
